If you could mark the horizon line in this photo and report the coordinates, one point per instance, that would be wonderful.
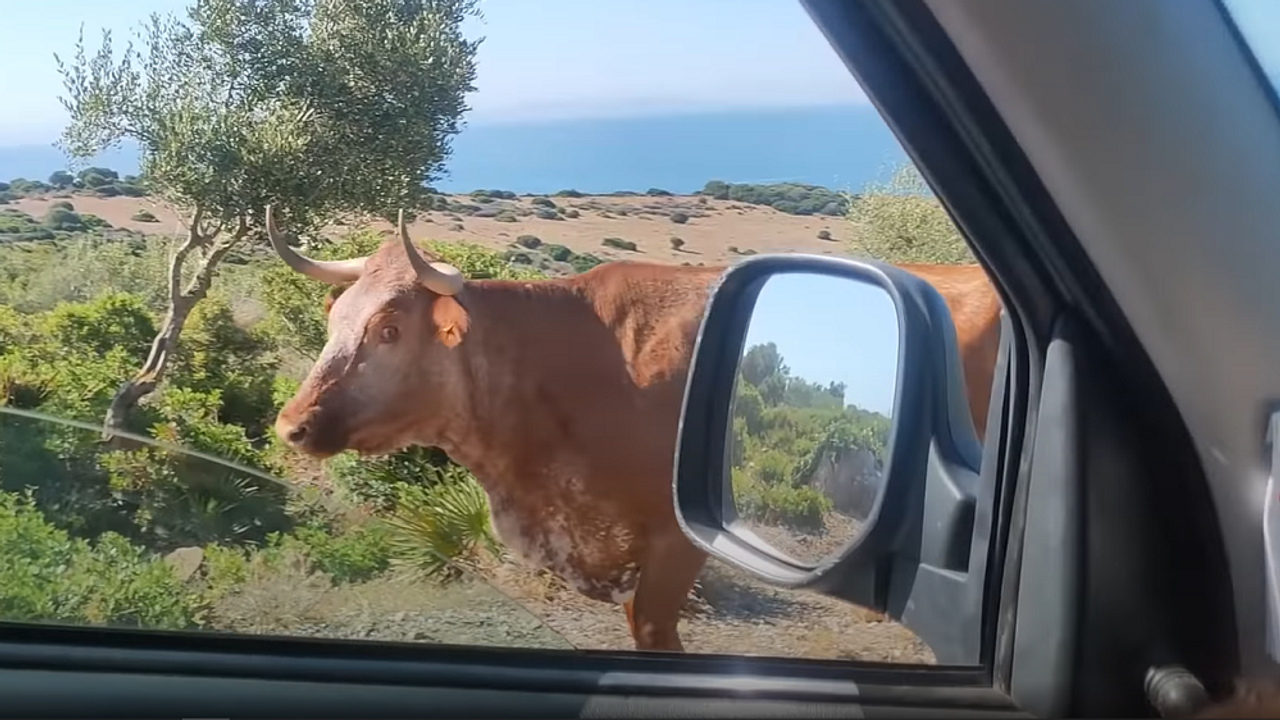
(602, 116)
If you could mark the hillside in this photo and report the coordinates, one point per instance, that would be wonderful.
(713, 230)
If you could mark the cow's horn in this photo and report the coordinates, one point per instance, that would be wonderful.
(438, 277)
(334, 272)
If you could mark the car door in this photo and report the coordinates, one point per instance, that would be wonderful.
(1027, 627)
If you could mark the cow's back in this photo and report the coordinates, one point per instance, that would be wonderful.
(975, 311)
(654, 312)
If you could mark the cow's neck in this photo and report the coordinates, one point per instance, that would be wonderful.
(515, 365)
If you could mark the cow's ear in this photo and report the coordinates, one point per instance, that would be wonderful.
(332, 296)
(451, 320)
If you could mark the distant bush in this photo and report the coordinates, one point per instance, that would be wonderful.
(790, 198)
(498, 194)
(657, 192)
(62, 179)
(824, 234)
(60, 218)
(569, 194)
(559, 253)
(64, 204)
(530, 241)
(144, 215)
(506, 216)
(584, 262)
(676, 243)
(901, 221)
(23, 186)
(95, 177)
(543, 202)
(543, 213)
(93, 222)
(679, 217)
(619, 244)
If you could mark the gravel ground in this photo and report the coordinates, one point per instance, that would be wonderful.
(517, 606)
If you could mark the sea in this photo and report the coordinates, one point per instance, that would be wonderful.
(842, 147)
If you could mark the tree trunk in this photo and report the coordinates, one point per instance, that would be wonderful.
(181, 302)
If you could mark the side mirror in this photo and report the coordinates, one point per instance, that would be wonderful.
(825, 441)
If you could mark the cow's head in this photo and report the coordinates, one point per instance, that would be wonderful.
(393, 323)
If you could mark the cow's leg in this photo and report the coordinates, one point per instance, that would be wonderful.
(629, 607)
(670, 568)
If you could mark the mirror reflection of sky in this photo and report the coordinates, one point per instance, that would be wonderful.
(832, 329)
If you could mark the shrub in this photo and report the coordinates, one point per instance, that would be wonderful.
(824, 234)
(443, 530)
(59, 218)
(543, 202)
(64, 204)
(569, 194)
(360, 554)
(676, 243)
(584, 262)
(792, 198)
(530, 241)
(902, 222)
(572, 214)
(620, 244)
(376, 482)
(506, 216)
(48, 576)
(679, 217)
(657, 192)
(559, 253)
(780, 504)
(547, 214)
(144, 215)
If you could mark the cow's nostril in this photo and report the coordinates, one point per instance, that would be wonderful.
(298, 432)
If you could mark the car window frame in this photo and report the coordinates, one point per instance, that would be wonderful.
(938, 113)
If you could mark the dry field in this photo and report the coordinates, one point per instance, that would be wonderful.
(714, 226)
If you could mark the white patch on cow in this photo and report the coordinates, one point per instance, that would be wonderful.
(581, 547)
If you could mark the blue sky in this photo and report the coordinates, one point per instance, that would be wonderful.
(831, 329)
(541, 59)
(553, 59)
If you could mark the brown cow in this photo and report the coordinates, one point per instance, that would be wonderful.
(561, 396)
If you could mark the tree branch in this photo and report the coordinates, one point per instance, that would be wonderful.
(181, 302)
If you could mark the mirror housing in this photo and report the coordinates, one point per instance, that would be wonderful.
(924, 516)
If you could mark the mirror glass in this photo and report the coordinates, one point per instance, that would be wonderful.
(812, 412)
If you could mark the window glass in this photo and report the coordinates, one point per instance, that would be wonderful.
(180, 410)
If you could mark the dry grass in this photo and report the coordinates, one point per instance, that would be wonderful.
(712, 228)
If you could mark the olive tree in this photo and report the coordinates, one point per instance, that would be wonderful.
(321, 108)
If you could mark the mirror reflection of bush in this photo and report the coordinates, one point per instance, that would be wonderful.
(797, 451)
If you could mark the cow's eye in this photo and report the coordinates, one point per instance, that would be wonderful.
(389, 333)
